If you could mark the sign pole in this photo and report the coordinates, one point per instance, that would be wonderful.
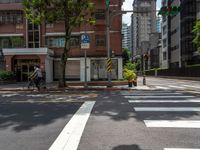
(85, 54)
(85, 44)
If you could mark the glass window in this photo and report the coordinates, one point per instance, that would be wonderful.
(164, 43)
(100, 14)
(75, 41)
(100, 40)
(164, 55)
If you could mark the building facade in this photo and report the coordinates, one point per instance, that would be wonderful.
(177, 46)
(25, 44)
(126, 39)
(143, 23)
(158, 24)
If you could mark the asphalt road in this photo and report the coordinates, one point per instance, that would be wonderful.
(151, 119)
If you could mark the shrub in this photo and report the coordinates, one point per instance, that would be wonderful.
(6, 75)
(129, 74)
(130, 66)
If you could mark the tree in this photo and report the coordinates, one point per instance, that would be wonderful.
(196, 31)
(125, 55)
(72, 12)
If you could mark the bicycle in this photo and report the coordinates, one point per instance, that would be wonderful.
(42, 84)
(31, 85)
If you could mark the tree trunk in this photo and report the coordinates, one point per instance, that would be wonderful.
(62, 72)
(64, 57)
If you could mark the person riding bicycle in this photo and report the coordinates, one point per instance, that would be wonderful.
(36, 76)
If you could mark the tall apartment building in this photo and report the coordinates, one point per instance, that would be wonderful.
(158, 24)
(177, 47)
(143, 23)
(126, 32)
(25, 44)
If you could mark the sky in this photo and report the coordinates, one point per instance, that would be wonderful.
(127, 5)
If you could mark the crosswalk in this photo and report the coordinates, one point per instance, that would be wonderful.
(180, 87)
(166, 102)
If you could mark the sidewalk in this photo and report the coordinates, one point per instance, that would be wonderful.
(72, 86)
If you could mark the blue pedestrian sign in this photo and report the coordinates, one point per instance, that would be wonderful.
(85, 41)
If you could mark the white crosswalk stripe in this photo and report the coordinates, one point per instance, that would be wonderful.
(166, 101)
(157, 96)
(162, 87)
(151, 100)
(169, 109)
(181, 149)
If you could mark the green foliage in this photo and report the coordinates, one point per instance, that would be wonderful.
(16, 41)
(196, 31)
(74, 12)
(130, 66)
(195, 65)
(129, 75)
(125, 56)
(6, 75)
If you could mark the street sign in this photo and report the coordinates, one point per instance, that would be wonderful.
(107, 3)
(85, 41)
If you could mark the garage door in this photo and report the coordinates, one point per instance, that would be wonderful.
(72, 71)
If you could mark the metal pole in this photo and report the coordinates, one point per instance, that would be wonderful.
(108, 41)
(85, 54)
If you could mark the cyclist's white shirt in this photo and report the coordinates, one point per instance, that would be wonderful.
(39, 73)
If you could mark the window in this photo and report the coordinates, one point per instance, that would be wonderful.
(100, 14)
(59, 42)
(75, 41)
(11, 42)
(164, 43)
(164, 55)
(33, 36)
(164, 30)
(100, 40)
(55, 42)
(10, 1)
(174, 31)
(13, 17)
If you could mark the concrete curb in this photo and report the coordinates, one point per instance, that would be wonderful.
(78, 89)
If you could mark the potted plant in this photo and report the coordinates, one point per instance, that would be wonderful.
(129, 75)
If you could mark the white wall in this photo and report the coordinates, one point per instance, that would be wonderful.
(120, 68)
(49, 69)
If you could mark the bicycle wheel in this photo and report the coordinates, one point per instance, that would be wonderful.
(42, 84)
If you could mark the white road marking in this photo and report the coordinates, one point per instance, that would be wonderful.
(192, 86)
(38, 95)
(157, 96)
(161, 87)
(172, 123)
(165, 101)
(9, 95)
(170, 109)
(70, 136)
(151, 94)
(177, 87)
(180, 149)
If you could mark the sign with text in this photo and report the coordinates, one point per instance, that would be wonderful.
(85, 41)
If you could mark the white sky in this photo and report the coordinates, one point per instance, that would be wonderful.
(128, 6)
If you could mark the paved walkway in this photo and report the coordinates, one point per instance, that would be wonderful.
(76, 86)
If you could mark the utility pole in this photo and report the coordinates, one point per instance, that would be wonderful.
(108, 42)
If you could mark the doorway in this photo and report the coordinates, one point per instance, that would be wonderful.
(24, 68)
